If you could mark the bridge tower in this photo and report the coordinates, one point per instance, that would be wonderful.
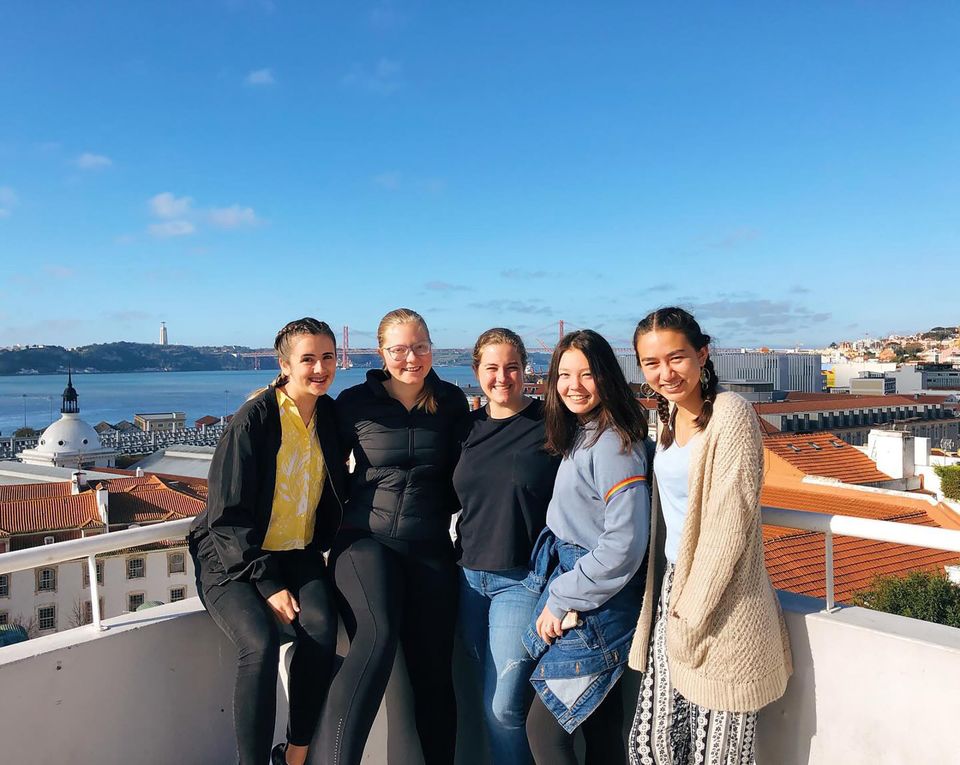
(345, 348)
(561, 330)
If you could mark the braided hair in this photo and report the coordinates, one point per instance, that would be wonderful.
(283, 343)
(678, 320)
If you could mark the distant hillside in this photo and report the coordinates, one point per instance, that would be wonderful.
(124, 357)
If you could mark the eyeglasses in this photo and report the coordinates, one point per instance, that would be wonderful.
(400, 352)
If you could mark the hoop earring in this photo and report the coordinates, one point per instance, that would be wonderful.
(647, 390)
(704, 377)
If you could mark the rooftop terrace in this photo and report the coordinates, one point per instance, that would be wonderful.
(155, 686)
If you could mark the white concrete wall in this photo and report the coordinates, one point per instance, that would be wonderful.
(868, 688)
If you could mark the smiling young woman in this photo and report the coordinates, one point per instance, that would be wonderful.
(589, 555)
(393, 560)
(710, 639)
(504, 480)
(274, 505)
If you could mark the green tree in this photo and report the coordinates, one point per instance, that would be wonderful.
(949, 476)
(927, 595)
(25, 432)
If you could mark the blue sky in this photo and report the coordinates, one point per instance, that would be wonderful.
(790, 171)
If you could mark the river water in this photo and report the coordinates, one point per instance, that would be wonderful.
(35, 399)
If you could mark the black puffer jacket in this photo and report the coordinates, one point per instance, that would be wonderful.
(401, 487)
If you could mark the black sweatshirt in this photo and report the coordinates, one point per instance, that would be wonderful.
(504, 480)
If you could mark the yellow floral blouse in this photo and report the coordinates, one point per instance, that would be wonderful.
(300, 476)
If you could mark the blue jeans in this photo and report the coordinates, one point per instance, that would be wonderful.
(495, 609)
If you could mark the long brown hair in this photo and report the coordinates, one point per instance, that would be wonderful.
(427, 400)
(675, 319)
(618, 409)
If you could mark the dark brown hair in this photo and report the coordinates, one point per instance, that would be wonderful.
(498, 336)
(675, 319)
(283, 342)
(618, 409)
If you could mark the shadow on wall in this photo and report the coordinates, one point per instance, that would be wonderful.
(787, 727)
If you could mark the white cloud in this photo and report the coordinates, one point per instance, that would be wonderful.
(171, 228)
(166, 205)
(8, 200)
(59, 272)
(261, 77)
(383, 78)
(89, 161)
(390, 180)
(234, 216)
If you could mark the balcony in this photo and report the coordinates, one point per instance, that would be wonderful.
(155, 686)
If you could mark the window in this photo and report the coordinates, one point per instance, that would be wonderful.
(175, 563)
(4, 585)
(177, 593)
(86, 573)
(87, 615)
(47, 618)
(4, 618)
(136, 568)
(46, 580)
(134, 601)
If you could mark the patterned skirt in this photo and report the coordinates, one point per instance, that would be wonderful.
(671, 730)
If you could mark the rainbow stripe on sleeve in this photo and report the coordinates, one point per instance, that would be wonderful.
(623, 485)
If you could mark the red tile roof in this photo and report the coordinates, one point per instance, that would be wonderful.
(795, 559)
(840, 403)
(49, 514)
(146, 499)
(19, 491)
(826, 455)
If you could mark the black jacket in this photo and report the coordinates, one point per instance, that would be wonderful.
(401, 487)
(228, 534)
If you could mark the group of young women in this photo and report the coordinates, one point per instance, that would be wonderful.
(582, 547)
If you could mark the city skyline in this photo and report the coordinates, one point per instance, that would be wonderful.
(787, 173)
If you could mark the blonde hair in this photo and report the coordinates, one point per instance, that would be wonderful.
(427, 400)
(498, 336)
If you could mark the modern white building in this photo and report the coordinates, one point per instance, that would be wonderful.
(787, 371)
(163, 333)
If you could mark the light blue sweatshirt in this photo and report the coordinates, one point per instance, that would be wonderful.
(601, 502)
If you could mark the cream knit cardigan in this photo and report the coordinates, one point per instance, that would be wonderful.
(727, 644)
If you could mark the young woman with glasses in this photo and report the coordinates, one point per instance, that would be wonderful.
(275, 485)
(504, 480)
(710, 640)
(393, 560)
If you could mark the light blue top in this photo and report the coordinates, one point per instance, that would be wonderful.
(672, 468)
(601, 502)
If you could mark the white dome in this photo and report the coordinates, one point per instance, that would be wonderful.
(69, 434)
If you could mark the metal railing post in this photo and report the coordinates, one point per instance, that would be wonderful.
(94, 593)
(828, 570)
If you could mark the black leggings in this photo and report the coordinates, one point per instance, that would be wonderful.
(602, 733)
(390, 597)
(242, 613)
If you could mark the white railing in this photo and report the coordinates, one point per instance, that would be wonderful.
(828, 525)
(863, 528)
(89, 548)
